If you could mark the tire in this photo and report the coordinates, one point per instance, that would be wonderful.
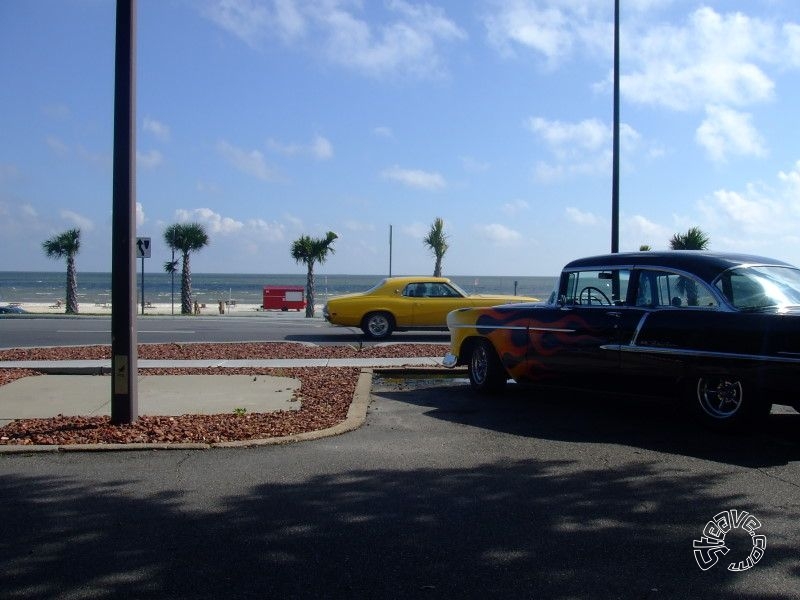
(377, 325)
(486, 372)
(727, 402)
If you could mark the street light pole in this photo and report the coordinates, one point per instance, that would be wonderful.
(615, 151)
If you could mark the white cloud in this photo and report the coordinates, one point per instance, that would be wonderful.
(582, 217)
(319, 148)
(215, 222)
(415, 178)
(515, 207)
(245, 19)
(271, 231)
(57, 145)
(726, 131)
(713, 59)
(644, 231)
(583, 148)
(139, 214)
(590, 134)
(406, 42)
(151, 160)
(383, 131)
(554, 30)
(353, 225)
(157, 129)
(416, 230)
(251, 162)
(83, 223)
(496, 233)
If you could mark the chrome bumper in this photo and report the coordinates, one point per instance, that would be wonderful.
(450, 360)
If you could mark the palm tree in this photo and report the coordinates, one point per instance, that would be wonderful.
(185, 238)
(645, 248)
(309, 251)
(694, 239)
(61, 245)
(436, 241)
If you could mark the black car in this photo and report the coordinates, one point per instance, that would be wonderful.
(12, 309)
(722, 329)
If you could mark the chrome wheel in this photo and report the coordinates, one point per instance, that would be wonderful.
(377, 325)
(486, 373)
(720, 397)
(479, 365)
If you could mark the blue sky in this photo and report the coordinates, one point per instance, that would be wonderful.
(268, 120)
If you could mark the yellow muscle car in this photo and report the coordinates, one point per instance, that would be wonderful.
(403, 303)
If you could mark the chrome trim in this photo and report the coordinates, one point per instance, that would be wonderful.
(515, 328)
(638, 329)
(633, 348)
(450, 360)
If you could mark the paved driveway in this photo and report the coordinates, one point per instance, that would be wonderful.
(439, 495)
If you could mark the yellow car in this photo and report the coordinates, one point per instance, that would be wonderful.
(402, 303)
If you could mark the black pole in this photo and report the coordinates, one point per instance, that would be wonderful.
(390, 250)
(124, 393)
(143, 286)
(172, 284)
(615, 151)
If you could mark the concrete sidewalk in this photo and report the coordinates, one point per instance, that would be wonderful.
(83, 387)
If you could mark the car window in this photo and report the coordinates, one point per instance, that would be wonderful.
(662, 289)
(430, 290)
(596, 287)
(756, 287)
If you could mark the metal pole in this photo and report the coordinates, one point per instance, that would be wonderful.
(143, 286)
(390, 250)
(615, 152)
(172, 275)
(124, 391)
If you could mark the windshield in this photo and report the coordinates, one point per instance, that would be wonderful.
(755, 287)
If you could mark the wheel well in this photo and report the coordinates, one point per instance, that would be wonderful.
(467, 347)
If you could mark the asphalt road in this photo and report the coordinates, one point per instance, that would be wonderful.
(441, 494)
(60, 330)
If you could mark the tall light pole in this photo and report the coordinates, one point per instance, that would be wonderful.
(615, 151)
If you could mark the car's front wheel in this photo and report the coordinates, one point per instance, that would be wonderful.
(486, 372)
(377, 325)
(727, 402)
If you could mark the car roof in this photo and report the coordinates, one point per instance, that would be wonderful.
(705, 264)
(415, 279)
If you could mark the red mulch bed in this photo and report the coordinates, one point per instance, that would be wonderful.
(326, 394)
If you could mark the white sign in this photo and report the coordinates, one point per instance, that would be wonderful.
(142, 247)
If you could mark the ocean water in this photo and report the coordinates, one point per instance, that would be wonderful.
(41, 287)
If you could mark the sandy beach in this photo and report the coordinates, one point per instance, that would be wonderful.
(232, 308)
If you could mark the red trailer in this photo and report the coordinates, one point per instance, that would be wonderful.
(284, 297)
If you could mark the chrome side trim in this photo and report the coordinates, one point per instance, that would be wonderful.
(514, 328)
(697, 353)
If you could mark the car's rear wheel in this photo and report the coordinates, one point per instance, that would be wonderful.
(727, 402)
(377, 325)
(486, 372)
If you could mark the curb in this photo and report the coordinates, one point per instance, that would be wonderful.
(356, 415)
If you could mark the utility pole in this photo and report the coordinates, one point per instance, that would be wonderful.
(615, 151)
(124, 389)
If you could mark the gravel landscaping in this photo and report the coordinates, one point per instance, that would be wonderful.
(326, 394)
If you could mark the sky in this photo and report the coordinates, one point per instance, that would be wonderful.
(267, 120)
